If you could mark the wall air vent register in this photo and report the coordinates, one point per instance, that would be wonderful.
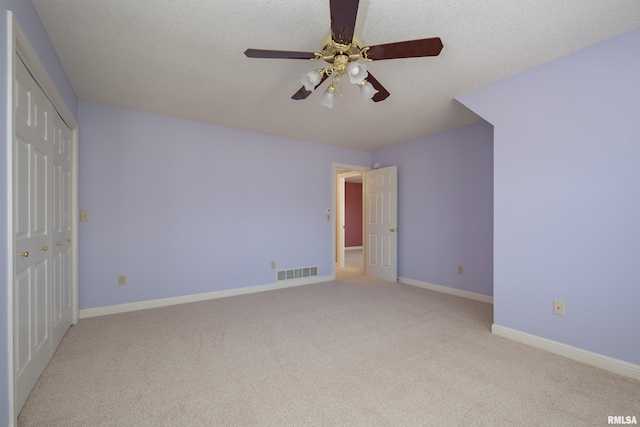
(297, 273)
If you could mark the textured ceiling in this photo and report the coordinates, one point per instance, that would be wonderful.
(185, 58)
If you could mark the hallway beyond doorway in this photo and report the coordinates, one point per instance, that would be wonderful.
(353, 264)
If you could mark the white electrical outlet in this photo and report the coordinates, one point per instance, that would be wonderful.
(558, 308)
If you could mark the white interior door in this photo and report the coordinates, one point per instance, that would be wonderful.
(382, 223)
(32, 232)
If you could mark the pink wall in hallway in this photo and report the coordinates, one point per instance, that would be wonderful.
(353, 214)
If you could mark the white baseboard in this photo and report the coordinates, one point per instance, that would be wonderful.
(163, 302)
(590, 358)
(352, 248)
(447, 290)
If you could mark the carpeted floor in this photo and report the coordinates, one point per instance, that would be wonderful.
(355, 351)
(353, 265)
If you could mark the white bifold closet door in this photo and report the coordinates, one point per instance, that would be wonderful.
(42, 168)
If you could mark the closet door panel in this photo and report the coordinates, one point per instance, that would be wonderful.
(33, 131)
(61, 230)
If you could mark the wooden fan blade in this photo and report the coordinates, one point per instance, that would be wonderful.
(382, 92)
(343, 20)
(278, 54)
(303, 93)
(406, 49)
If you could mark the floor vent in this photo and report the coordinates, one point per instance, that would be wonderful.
(297, 273)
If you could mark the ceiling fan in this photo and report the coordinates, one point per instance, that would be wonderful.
(345, 55)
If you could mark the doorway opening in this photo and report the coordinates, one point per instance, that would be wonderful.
(349, 221)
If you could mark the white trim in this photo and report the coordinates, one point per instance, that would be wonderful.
(349, 167)
(340, 208)
(352, 248)
(75, 213)
(447, 290)
(10, 235)
(590, 358)
(164, 302)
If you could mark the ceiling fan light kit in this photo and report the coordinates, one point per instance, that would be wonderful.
(367, 90)
(311, 80)
(342, 62)
(357, 73)
(344, 54)
(329, 96)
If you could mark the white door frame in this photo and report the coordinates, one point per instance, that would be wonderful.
(19, 43)
(339, 210)
(340, 219)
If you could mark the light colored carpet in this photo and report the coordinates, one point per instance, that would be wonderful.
(351, 352)
(353, 265)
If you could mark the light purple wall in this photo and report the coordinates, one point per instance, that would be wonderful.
(30, 23)
(445, 207)
(567, 211)
(182, 207)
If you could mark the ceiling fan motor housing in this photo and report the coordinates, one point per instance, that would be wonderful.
(333, 52)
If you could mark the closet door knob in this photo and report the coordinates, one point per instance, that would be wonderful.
(25, 254)
(58, 243)
(44, 248)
